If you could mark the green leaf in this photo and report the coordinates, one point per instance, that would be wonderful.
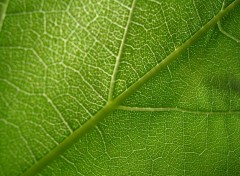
(119, 87)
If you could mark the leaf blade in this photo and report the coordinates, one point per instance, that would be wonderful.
(61, 99)
(116, 102)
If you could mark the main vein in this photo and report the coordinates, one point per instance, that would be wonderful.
(112, 105)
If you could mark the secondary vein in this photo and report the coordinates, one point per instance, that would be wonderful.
(3, 13)
(175, 109)
(114, 75)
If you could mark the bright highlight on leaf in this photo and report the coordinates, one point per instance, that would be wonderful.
(119, 87)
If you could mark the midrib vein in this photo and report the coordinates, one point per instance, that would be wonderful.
(112, 105)
(3, 14)
(120, 51)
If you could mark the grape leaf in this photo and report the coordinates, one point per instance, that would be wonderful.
(119, 87)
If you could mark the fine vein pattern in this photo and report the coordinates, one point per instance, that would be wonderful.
(66, 65)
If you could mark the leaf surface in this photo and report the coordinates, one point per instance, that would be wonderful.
(66, 65)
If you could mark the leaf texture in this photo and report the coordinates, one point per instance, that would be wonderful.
(67, 64)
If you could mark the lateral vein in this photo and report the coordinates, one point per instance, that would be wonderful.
(3, 13)
(114, 75)
(175, 109)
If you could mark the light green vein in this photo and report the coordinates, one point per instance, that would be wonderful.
(176, 109)
(111, 89)
(223, 31)
(112, 105)
(3, 11)
(226, 33)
